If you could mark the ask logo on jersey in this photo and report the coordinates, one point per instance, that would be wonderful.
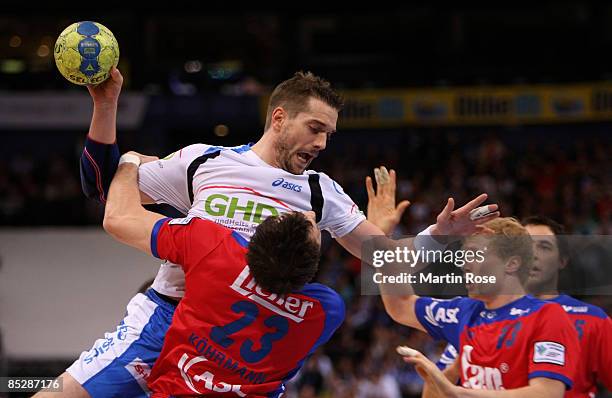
(280, 182)
(206, 379)
(435, 316)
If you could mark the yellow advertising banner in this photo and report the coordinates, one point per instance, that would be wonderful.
(503, 105)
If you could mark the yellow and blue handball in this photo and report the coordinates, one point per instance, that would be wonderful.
(85, 52)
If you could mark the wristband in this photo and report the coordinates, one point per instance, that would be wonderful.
(129, 158)
(425, 241)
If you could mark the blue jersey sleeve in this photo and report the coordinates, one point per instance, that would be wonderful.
(448, 357)
(98, 166)
(332, 304)
(442, 318)
(335, 311)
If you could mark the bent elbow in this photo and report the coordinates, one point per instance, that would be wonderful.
(399, 317)
(111, 225)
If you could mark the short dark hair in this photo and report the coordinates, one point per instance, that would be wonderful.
(282, 254)
(557, 229)
(293, 94)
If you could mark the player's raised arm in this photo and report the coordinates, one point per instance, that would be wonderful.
(101, 153)
(103, 128)
(124, 217)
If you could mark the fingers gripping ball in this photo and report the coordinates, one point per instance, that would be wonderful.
(85, 52)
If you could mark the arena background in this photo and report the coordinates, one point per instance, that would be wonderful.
(513, 101)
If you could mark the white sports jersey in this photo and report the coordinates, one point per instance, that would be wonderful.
(236, 188)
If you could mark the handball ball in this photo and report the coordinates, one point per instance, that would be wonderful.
(85, 52)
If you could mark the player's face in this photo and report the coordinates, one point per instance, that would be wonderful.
(492, 265)
(305, 135)
(315, 232)
(546, 261)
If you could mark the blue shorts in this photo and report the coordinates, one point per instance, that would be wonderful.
(119, 364)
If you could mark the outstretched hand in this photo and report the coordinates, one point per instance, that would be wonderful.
(382, 210)
(459, 222)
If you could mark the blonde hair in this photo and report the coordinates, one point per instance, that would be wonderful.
(510, 239)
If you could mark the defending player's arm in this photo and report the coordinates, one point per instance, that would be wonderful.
(382, 211)
(439, 384)
(383, 214)
(182, 241)
(124, 217)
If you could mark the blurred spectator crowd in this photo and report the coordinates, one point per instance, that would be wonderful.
(567, 179)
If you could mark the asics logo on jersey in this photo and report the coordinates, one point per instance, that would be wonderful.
(445, 315)
(219, 205)
(479, 377)
(290, 307)
(207, 377)
(287, 185)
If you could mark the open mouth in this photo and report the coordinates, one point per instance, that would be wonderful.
(305, 156)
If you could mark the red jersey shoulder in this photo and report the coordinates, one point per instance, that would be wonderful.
(196, 223)
(552, 310)
(574, 307)
(182, 240)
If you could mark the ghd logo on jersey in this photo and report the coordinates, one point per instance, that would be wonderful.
(287, 185)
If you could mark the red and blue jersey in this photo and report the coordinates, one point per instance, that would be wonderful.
(594, 329)
(228, 336)
(505, 347)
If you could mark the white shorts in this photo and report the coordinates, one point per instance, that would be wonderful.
(119, 364)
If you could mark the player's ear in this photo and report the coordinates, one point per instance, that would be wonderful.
(279, 116)
(513, 265)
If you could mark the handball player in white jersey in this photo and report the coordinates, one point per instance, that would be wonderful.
(237, 187)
